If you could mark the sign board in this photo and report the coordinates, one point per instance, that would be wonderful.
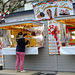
(48, 10)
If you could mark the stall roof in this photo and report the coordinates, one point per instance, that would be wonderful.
(21, 22)
(20, 13)
(65, 17)
(36, 22)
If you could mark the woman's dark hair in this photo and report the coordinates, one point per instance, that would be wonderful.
(20, 33)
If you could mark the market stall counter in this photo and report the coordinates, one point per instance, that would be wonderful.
(28, 51)
(67, 50)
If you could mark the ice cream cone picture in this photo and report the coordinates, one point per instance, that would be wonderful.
(49, 13)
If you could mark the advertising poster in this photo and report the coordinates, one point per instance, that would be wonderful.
(65, 8)
(53, 37)
(48, 10)
(44, 10)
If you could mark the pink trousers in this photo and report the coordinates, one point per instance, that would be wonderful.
(20, 59)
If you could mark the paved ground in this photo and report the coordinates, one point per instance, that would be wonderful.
(12, 72)
(65, 73)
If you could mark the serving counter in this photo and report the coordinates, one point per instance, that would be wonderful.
(67, 50)
(28, 51)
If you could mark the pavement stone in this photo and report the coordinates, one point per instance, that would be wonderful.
(65, 73)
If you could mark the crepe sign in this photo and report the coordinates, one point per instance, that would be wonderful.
(53, 37)
(49, 10)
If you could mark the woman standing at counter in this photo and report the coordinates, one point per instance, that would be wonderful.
(20, 51)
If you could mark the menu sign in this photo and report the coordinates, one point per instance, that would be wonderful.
(53, 37)
(48, 10)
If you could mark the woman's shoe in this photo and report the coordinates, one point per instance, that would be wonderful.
(23, 71)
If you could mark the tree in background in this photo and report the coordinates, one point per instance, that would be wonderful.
(11, 5)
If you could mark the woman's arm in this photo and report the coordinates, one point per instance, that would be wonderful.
(26, 42)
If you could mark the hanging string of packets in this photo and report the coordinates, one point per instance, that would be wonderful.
(6, 12)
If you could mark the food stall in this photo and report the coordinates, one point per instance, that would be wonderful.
(35, 34)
